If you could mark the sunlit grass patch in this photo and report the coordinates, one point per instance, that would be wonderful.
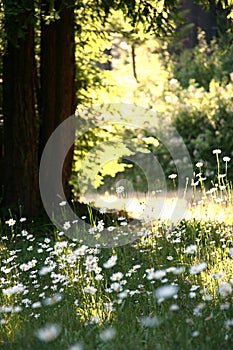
(209, 210)
(152, 207)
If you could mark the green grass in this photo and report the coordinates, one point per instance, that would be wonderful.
(197, 317)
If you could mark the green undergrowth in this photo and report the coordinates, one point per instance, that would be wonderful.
(79, 297)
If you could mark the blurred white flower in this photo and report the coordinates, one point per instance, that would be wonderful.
(225, 290)
(156, 275)
(110, 262)
(172, 176)
(100, 226)
(191, 249)
(149, 321)
(192, 295)
(218, 275)
(111, 228)
(217, 151)
(24, 267)
(62, 203)
(151, 275)
(71, 259)
(174, 307)
(230, 251)
(45, 270)
(108, 334)
(170, 258)
(120, 189)
(116, 276)
(95, 320)
(225, 306)
(11, 222)
(24, 233)
(48, 333)
(81, 250)
(228, 323)
(174, 81)
(170, 269)
(99, 277)
(197, 311)
(66, 225)
(116, 286)
(178, 270)
(194, 287)
(165, 292)
(19, 288)
(197, 268)
(92, 230)
(90, 290)
(36, 304)
(195, 334)
(226, 159)
(123, 294)
(53, 299)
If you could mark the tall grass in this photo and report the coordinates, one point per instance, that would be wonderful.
(171, 289)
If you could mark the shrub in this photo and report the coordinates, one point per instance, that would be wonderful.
(203, 63)
(203, 118)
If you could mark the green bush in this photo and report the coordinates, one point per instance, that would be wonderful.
(204, 119)
(203, 63)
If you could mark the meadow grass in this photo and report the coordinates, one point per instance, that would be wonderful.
(171, 289)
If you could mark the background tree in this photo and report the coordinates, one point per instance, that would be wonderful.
(57, 77)
(20, 167)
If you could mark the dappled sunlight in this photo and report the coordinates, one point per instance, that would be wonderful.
(210, 211)
(151, 207)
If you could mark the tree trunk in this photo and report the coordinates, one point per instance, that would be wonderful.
(58, 84)
(134, 62)
(20, 163)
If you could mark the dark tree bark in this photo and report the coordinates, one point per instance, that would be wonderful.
(20, 163)
(58, 82)
(56, 102)
(200, 18)
(65, 84)
(47, 79)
